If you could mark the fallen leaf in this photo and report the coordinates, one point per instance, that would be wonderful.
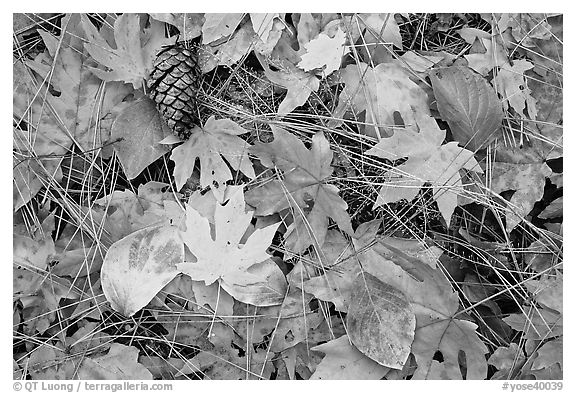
(536, 324)
(219, 25)
(469, 105)
(508, 361)
(228, 52)
(344, 361)
(268, 292)
(511, 83)
(548, 291)
(216, 141)
(549, 354)
(121, 362)
(139, 129)
(34, 253)
(221, 257)
(340, 270)
(189, 24)
(380, 321)
(381, 28)
(435, 305)
(299, 85)
(263, 24)
(527, 180)
(380, 92)
(554, 210)
(526, 27)
(132, 59)
(305, 174)
(138, 266)
(324, 53)
(495, 56)
(428, 161)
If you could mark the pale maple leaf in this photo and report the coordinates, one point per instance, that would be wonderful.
(380, 92)
(221, 257)
(304, 187)
(324, 53)
(511, 83)
(216, 141)
(132, 59)
(428, 161)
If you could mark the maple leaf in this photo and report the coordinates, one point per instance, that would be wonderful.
(325, 53)
(217, 139)
(222, 258)
(380, 92)
(304, 183)
(132, 59)
(511, 83)
(428, 161)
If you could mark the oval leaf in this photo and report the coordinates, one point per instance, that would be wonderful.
(138, 266)
(270, 292)
(380, 321)
(469, 105)
(139, 130)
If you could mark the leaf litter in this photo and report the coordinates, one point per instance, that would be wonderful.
(367, 215)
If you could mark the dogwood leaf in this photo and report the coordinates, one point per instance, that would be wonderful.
(324, 53)
(303, 189)
(221, 257)
(132, 59)
(469, 105)
(428, 161)
(216, 141)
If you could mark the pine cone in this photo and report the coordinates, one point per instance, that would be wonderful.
(173, 85)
